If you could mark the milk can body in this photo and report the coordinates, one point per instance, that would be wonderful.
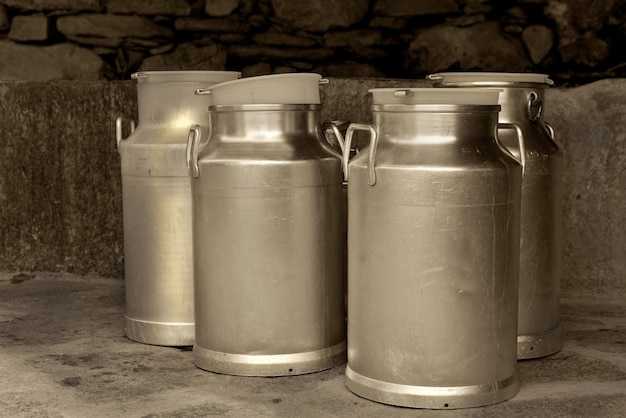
(156, 196)
(523, 100)
(433, 247)
(268, 243)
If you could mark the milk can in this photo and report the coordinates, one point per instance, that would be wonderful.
(433, 252)
(267, 231)
(522, 100)
(157, 205)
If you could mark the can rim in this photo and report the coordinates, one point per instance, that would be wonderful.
(493, 79)
(430, 96)
(436, 108)
(262, 107)
(185, 76)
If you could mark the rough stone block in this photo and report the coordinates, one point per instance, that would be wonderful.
(359, 37)
(479, 46)
(319, 15)
(414, 7)
(193, 24)
(577, 22)
(393, 23)
(41, 5)
(478, 6)
(188, 57)
(152, 7)
(283, 39)
(260, 52)
(538, 40)
(232, 38)
(56, 62)
(260, 68)
(221, 7)
(30, 28)
(113, 27)
(348, 69)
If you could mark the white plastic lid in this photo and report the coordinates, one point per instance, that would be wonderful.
(185, 76)
(486, 78)
(458, 96)
(290, 88)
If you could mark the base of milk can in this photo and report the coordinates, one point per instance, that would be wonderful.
(269, 364)
(160, 333)
(431, 397)
(541, 344)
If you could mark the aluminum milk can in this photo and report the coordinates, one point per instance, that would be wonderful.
(522, 100)
(433, 252)
(156, 196)
(267, 228)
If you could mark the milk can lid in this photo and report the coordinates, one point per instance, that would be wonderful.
(427, 95)
(185, 76)
(290, 88)
(479, 78)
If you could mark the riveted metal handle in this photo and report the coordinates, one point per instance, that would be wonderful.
(520, 141)
(119, 128)
(534, 103)
(193, 145)
(550, 130)
(372, 150)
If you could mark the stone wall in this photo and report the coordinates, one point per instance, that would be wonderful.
(575, 41)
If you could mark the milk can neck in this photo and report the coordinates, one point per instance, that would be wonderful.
(435, 125)
(170, 104)
(263, 122)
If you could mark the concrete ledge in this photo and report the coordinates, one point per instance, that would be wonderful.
(60, 184)
(60, 193)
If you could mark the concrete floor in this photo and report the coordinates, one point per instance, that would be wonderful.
(63, 354)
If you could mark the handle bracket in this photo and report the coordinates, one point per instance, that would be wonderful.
(119, 128)
(520, 141)
(534, 107)
(332, 132)
(550, 130)
(372, 150)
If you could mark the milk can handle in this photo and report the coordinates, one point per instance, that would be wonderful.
(332, 126)
(550, 130)
(118, 128)
(193, 142)
(372, 150)
(520, 141)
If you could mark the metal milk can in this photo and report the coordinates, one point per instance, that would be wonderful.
(433, 252)
(157, 205)
(522, 100)
(267, 230)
